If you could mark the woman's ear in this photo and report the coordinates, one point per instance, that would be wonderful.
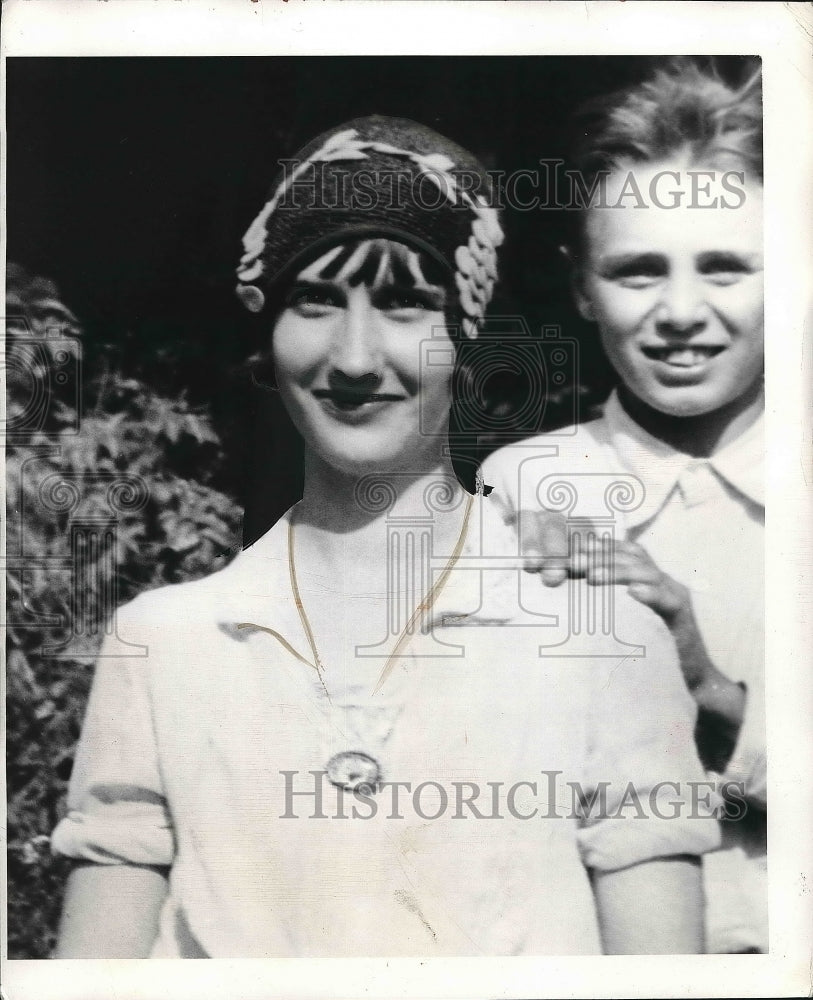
(580, 297)
(261, 371)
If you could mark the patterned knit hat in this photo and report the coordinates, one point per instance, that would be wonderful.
(378, 177)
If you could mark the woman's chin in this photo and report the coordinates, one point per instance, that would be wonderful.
(360, 463)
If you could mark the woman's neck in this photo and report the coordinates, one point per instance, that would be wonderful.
(703, 435)
(342, 523)
(345, 503)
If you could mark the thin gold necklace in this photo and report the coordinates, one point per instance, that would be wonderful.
(422, 608)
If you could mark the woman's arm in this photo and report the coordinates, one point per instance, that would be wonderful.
(652, 908)
(111, 911)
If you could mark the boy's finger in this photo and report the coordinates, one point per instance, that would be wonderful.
(554, 533)
(542, 536)
(592, 558)
(646, 593)
(555, 572)
(529, 545)
(621, 569)
(580, 563)
(584, 536)
(654, 597)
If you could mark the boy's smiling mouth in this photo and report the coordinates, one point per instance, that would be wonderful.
(683, 355)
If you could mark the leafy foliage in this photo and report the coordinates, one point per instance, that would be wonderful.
(110, 491)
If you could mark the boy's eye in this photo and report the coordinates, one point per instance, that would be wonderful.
(637, 272)
(724, 268)
(638, 279)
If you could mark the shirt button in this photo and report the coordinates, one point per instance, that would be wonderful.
(694, 483)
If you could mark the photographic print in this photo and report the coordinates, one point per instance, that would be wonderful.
(386, 483)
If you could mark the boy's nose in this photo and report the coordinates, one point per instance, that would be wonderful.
(682, 305)
(356, 344)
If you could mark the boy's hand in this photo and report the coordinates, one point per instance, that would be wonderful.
(554, 548)
(544, 542)
(629, 564)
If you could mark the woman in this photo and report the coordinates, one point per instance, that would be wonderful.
(310, 758)
(667, 262)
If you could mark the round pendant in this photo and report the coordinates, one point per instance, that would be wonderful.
(351, 769)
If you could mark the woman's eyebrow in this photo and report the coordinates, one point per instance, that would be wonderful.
(432, 293)
(317, 281)
(314, 284)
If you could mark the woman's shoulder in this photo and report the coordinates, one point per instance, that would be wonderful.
(168, 600)
(256, 572)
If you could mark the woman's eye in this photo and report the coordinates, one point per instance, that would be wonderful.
(312, 300)
(409, 301)
(395, 302)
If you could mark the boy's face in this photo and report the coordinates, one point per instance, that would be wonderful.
(677, 292)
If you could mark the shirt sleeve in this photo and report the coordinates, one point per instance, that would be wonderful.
(748, 764)
(568, 474)
(117, 811)
(646, 794)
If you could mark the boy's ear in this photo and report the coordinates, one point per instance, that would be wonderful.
(583, 303)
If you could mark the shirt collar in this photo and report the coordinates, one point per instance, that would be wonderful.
(255, 590)
(659, 465)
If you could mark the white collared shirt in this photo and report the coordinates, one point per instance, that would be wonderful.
(184, 755)
(702, 521)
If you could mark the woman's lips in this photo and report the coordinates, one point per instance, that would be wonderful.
(347, 401)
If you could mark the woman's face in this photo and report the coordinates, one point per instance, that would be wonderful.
(677, 292)
(349, 350)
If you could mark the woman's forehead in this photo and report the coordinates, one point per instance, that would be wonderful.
(372, 262)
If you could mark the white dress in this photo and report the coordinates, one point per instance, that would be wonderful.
(209, 755)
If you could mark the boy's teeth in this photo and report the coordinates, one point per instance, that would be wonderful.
(685, 357)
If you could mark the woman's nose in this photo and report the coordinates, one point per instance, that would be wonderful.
(682, 305)
(356, 348)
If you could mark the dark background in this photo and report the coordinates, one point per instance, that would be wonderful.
(130, 182)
